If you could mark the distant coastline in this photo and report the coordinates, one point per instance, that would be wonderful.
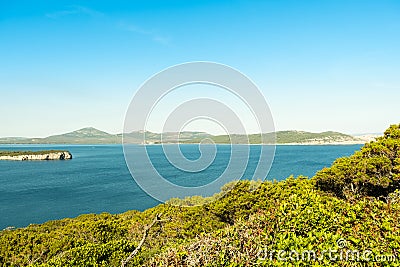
(92, 136)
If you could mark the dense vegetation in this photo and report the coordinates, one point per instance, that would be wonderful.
(291, 216)
(21, 153)
(374, 171)
(247, 224)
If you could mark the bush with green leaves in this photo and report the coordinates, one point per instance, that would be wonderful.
(293, 216)
(373, 171)
(103, 239)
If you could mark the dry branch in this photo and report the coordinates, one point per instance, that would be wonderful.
(139, 246)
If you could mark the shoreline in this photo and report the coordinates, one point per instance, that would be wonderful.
(118, 144)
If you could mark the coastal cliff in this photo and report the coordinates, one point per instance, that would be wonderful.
(37, 155)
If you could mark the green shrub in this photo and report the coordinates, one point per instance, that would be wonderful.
(374, 171)
(297, 218)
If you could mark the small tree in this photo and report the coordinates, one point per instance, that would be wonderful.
(374, 171)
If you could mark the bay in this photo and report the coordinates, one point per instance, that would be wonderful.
(97, 179)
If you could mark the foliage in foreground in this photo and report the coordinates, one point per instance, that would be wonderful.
(301, 221)
(101, 240)
(374, 171)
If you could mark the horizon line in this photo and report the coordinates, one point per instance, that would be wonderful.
(155, 132)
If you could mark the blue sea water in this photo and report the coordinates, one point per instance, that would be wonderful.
(97, 179)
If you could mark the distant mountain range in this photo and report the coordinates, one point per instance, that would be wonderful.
(93, 136)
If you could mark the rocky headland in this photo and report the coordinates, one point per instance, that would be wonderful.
(35, 155)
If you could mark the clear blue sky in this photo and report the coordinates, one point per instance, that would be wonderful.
(322, 65)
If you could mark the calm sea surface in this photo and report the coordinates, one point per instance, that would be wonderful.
(97, 179)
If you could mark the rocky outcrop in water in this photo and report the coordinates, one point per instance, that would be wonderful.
(62, 155)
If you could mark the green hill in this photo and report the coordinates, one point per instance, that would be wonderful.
(86, 135)
(168, 137)
(83, 136)
(306, 137)
(284, 137)
(93, 136)
(322, 221)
